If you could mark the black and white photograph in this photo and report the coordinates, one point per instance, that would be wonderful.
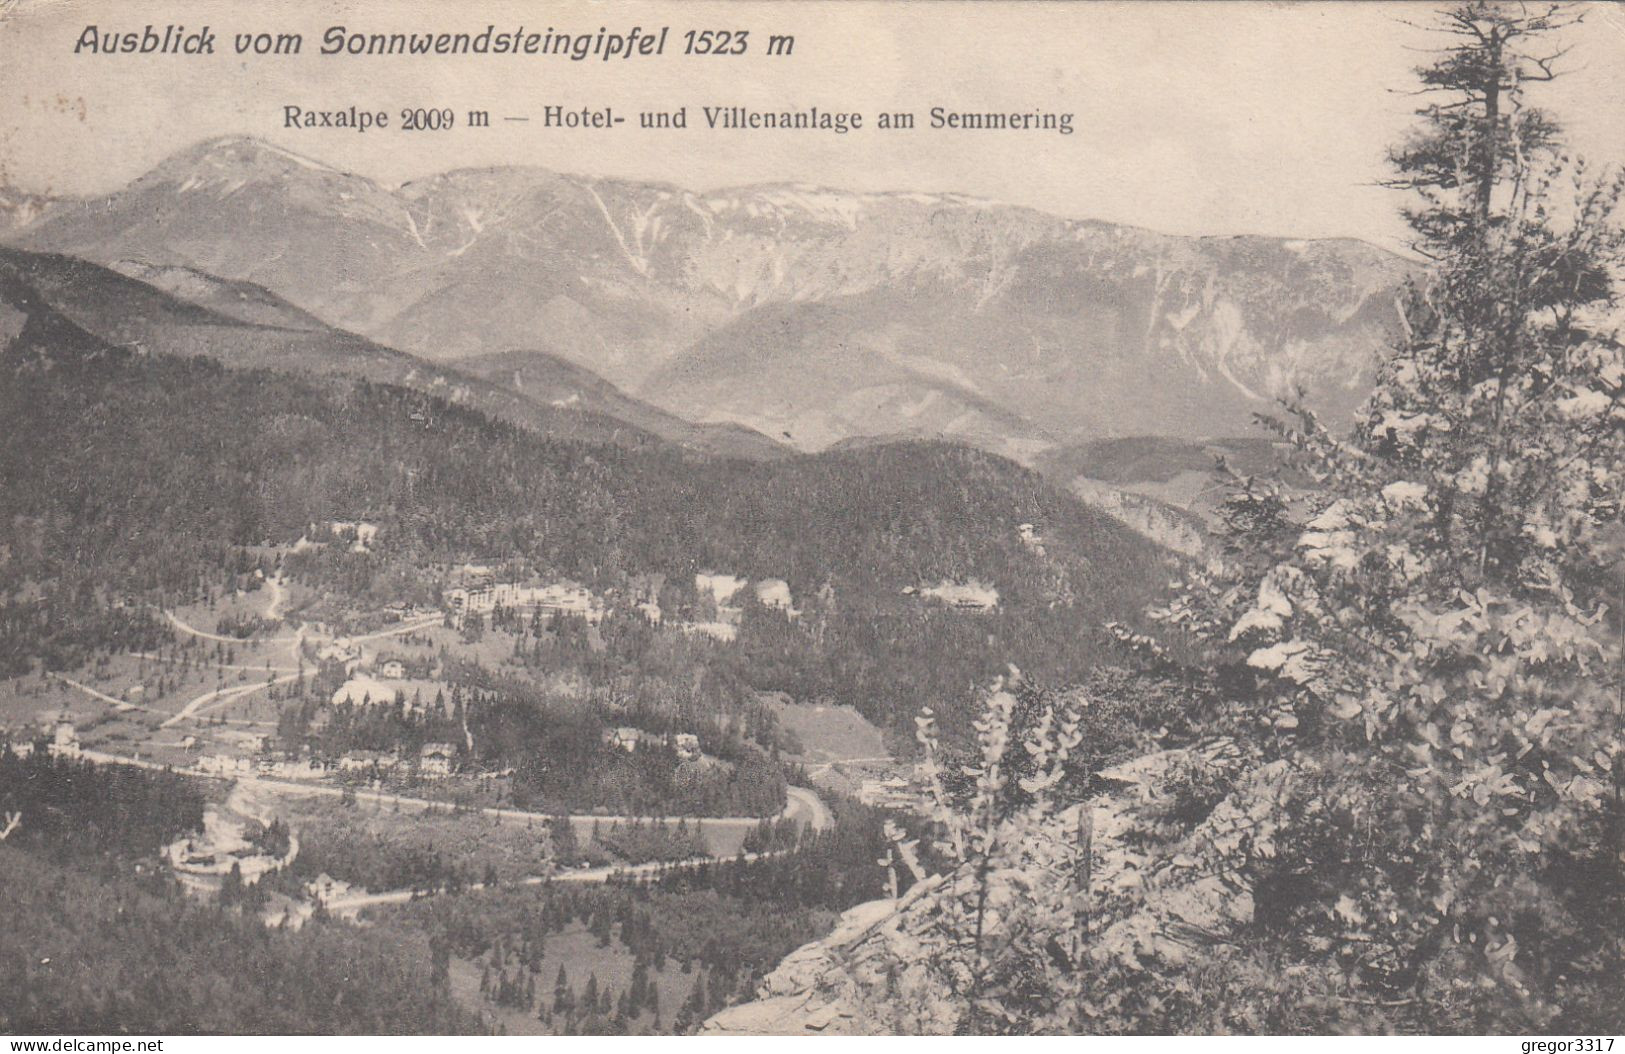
(812, 518)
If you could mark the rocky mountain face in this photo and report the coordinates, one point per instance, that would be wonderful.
(1168, 525)
(873, 975)
(809, 314)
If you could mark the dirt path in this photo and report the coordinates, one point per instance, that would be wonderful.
(223, 697)
(117, 704)
(186, 627)
(406, 627)
(802, 803)
(824, 766)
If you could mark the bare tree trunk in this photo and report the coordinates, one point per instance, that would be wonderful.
(1488, 152)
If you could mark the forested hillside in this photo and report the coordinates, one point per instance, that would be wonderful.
(181, 311)
(127, 957)
(130, 476)
(99, 938)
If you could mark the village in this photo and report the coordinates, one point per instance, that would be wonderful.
(216, 705)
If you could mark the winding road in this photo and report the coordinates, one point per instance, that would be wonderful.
(354, 903)
(801, 804)
(804, 805)
(191, 630)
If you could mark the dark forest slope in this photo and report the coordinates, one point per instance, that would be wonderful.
(184, 312)
(128, 473)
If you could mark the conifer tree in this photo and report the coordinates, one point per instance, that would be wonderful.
(692, 1012)
(1428, 631)
(589, 995)
(561, 992)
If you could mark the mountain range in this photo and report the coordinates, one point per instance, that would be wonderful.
(808, 315)
(175, 310)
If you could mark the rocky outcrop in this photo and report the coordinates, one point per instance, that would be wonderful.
(1164, 524)
(875, 973)
(825, 987)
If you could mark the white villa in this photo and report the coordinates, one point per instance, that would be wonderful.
(65, 740)
(559, 598)
(967, 596)
(435, 760)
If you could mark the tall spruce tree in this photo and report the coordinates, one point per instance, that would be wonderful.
(1426, 635)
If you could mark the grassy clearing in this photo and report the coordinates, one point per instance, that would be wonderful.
(830, 733)
(29, 704)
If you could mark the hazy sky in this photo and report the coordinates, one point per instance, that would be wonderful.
(1202, 118)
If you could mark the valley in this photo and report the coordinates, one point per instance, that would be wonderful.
(628, 551)
(555, 588)
(402, 652)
